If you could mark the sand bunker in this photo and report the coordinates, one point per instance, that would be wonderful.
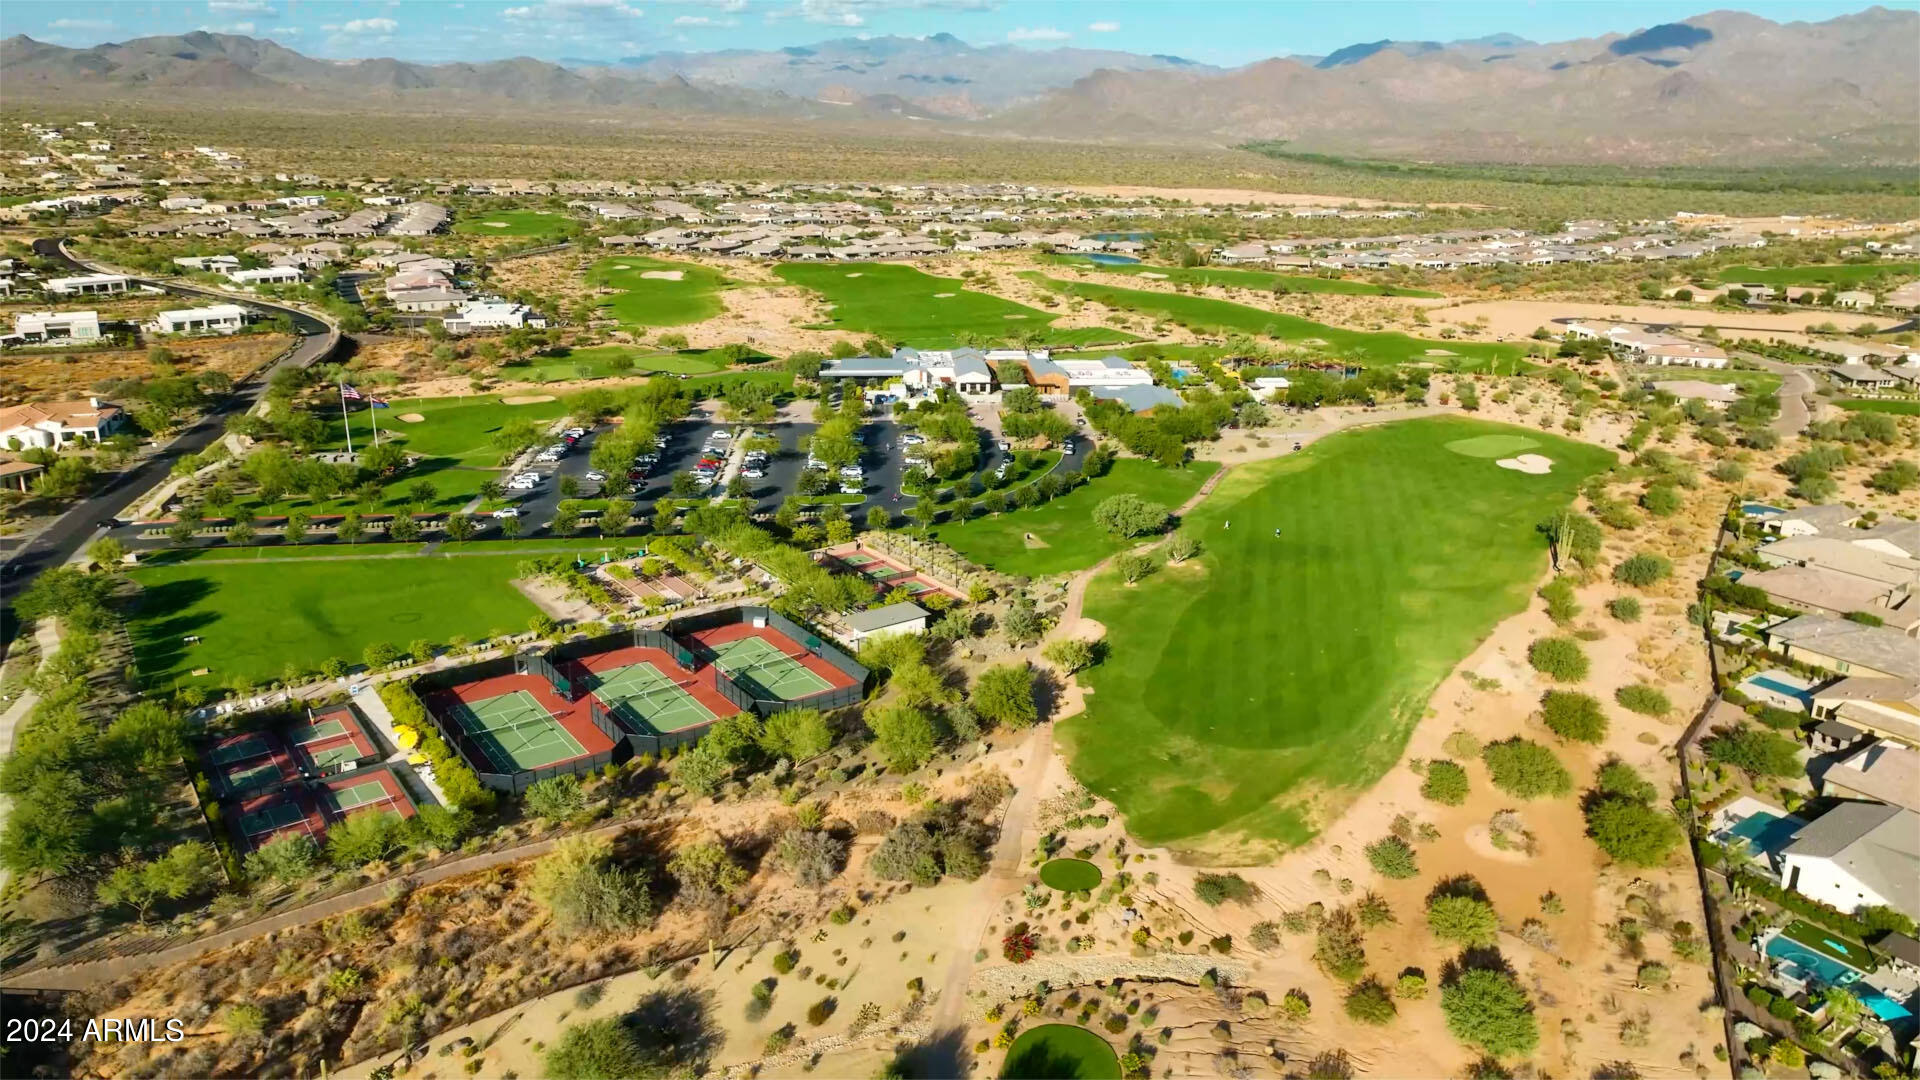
(1527, 463)
(412, 418)
(856, 274)
(623, 266)
(664, 275)
(494, 224)
(1156, 277)
(943, 296)
(1034, 542)
(527, 399)
(1013, 316)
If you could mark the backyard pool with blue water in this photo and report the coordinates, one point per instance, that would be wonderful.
(1764, 833)
(1827, 971)
(1110, 260)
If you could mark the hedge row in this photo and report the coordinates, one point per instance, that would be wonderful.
(457, 781)
(1830, 917)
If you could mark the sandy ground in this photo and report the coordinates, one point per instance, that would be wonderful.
(1238, 196)
(67, 373)
(1506, 320)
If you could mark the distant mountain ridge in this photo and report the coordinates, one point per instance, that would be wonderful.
(1721, 87)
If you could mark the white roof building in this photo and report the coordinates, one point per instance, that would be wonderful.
(214, 319)
(89, 285)
(267, 275)
(491, 315)
(36, 327)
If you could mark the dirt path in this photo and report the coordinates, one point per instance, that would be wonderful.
(1002, 879)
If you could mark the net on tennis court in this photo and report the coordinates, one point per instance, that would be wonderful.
(271, 819)
(360, 795)
(313, 733)
(252, 746)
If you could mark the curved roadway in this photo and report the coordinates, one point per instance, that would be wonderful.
(67, 535)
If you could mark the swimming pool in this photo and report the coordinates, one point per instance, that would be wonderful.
(1763, 833)
(1818, 967)
(1110, 260)
(1754, 509)
(1772, 681)
(1880, 1004)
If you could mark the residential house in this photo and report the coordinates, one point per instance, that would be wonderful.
(1840, 577)
(214, 319)
(1845, 647)
(1857, 855)
(1895, 536)
(267, 275)
(477, 315)
(1853, 298)
(218, 264)
(1140, 397)
(1812, 520)
(1887, 708)
(89, 285)
(902, 618)
(44, 327)
(53, 424)
(1861, 378)
(1884, 772)
(1716, 395)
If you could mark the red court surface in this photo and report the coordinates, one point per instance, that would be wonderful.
(298, 811)
(720, 635)
(571, 715)
(250, 771)
(701, 687)
(393, 798)
(886, 572)
(353, 744)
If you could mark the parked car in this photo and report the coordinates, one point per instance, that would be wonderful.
(507, 512)
(722, 435)
(595, 476)
(1006, 447)
(913, 439)
(850, 488)
(753, 473)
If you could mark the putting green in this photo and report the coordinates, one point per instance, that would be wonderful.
(1493, 446)
(654, 292)
(1070, 875)
(511, 223)
(1250, 694)
(900, 303)
(1060, 1052)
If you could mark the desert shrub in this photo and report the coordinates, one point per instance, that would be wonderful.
(1464, 920)
(1392, 857)
(1446, 783)
(1642, 570)
(1575, 716)
(1624, 608)
(1488, 1009)
(1558, 658)
(1644, 699)
(1525, 769)
(1370, 1003)
(1216, 889)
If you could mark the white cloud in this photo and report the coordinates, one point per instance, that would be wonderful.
(81, 24)
(1103, 27)
(1037, 33)
(704, 21)
(574, 9)
(243, 28)
(358, 27)
(855, 12)
(251, 7)
(518, 13)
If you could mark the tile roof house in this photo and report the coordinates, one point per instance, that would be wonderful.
(1889, 708)
(1879, 771)
(1857, 855)
(1811, 520)
(1846, 647)
(53, 424)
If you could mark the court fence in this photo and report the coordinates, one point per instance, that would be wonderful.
(639, 742)
(537, 664)
(455, 736)
(836, 698)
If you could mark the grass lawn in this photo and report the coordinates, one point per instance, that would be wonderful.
(1060, 1052)
(1063, 528)
(1831, 944)
(1844, 275)
(255, 620)
(1766, 383)
(1252, 693)
(1203, 315)
(455, 434)
(1263, 280)
(899, 303)
(510, 223)
(661, 300)
(1070, 875)
(609, 361)
(1897, 406)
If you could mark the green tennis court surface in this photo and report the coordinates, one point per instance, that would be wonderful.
(760, 663)
(857, 560)
(277, 816)
(310, 733)
(516, 732)
(359, 795)
(334, 755)
(643, 697)
(250, 747)
(240, 779)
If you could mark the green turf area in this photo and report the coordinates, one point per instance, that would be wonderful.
(758, 666)
(1831, 944)
(255, 620)
(455, 435)
(1251, 694)
(647, 699)
(1067, 538)
(1843, 275)
(1060, 1052)
(1070, 875)
(611, 361)
(1203, 315)
(899, 303)
(509, 223)
(1765, 383)
(1891, 405)
(1264, 280)
(658, 301)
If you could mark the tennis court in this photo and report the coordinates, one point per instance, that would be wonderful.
(516, 732)
(242, 777)
(371, 793)
(758, 661)
(303, 734)
(252, 746)
(326, 757)
(272, 819)
(643, 697)
(856, 560)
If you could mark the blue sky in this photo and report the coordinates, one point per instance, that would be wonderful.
(1226, 32)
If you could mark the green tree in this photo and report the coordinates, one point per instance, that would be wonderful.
(289, 859)
(1128, 515)
(1446, 783)
(602, 1050)
(186, 868)
(1632, 832)
(1525, 769)
(1071, 654)
(1392, 857)
(706, 873)
(1464, 920)
(556, 798)
(459, 527)
(585, 893)
(1003, 695)
(350, 530)
(1753, 751)
(1575, 716)
(365, 838)
(1370, 1003)
(797, 735)
(1488, 1009)
(904, 736)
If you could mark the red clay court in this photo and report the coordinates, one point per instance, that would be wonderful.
(767, 663)
(884, 571)
(520, 722)
(313, 810)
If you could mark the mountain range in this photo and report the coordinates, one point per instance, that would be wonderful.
(1725, 86)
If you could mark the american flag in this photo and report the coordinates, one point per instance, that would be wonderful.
(349, 392)
(376, 403)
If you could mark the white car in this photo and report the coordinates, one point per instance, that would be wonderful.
(754, 474)
(1001, 472)
(1006, 447)
(576, 432)
(597, 477)
(851, 489)
(721, 436)
(852, 472)
(913, 440)
(507, 512)
(916, 459)
(1069, 447)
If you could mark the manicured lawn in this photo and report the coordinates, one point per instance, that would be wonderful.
(510, 223)
(1765, 383)
(899, 303)
(1060, 1052)
(1830, 943)
(608, 361)
(1263, 280)
(1203, 315)
(255, 620)
(1896, 406)
(1254, 692)
(1070, 875)
(1067, 539)
(1844, 275)
(660, 300)
(455, 434)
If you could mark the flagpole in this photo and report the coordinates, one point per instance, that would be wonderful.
(345, 420)
(373, 419)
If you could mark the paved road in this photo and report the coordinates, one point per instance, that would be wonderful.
(1796, 394)
(66, 536)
